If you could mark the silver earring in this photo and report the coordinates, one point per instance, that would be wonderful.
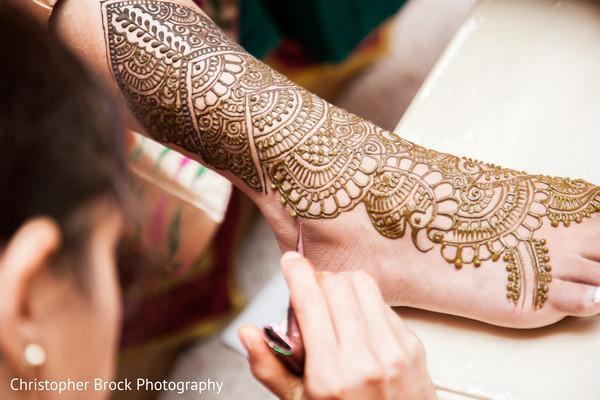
(35, 355)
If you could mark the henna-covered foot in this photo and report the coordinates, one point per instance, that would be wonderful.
(440, 232)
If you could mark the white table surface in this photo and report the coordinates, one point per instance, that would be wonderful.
(518, 86)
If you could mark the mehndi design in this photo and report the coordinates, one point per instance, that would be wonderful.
(192, 86)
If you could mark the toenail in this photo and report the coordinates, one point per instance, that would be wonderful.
(596, 299)
(594, 296)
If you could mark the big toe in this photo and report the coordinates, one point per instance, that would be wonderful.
(576, 299)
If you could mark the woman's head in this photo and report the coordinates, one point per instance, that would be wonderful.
(60, 132)
(62, 179)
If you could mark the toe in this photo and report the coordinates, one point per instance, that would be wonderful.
(590, 243)
(576, 299)
(582, 270)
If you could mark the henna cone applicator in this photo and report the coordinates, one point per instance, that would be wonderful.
(287, 346)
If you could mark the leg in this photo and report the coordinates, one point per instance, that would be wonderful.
(437, 231)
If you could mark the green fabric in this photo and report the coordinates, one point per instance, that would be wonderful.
(328, 30)
(258, 34)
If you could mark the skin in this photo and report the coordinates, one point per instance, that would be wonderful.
(77, 327)
(356, 346)
(436, 231)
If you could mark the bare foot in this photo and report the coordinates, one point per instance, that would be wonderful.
(470, 239)
(437, 231)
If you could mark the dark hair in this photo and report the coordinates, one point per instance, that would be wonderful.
(61, 133)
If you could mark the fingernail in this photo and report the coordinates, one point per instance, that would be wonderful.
(291, 256)
(246, 346)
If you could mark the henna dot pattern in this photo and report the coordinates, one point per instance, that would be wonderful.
(193, 87)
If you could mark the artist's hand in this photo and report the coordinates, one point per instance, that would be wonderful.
(356, 346)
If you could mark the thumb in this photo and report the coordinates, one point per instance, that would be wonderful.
(266, 368)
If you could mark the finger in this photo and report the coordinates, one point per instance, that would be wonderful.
(345, 312)
(358, 366)
(393, 345)
(412, 345)
(398, 326)
(381, 336)
(266, 368)
(310, 308)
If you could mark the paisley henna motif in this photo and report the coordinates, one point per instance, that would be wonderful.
(177, 71)
(193, 87)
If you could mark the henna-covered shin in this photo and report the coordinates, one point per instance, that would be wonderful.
(192, 86)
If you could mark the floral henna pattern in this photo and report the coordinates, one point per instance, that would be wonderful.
(192, 86)
(175, 69)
